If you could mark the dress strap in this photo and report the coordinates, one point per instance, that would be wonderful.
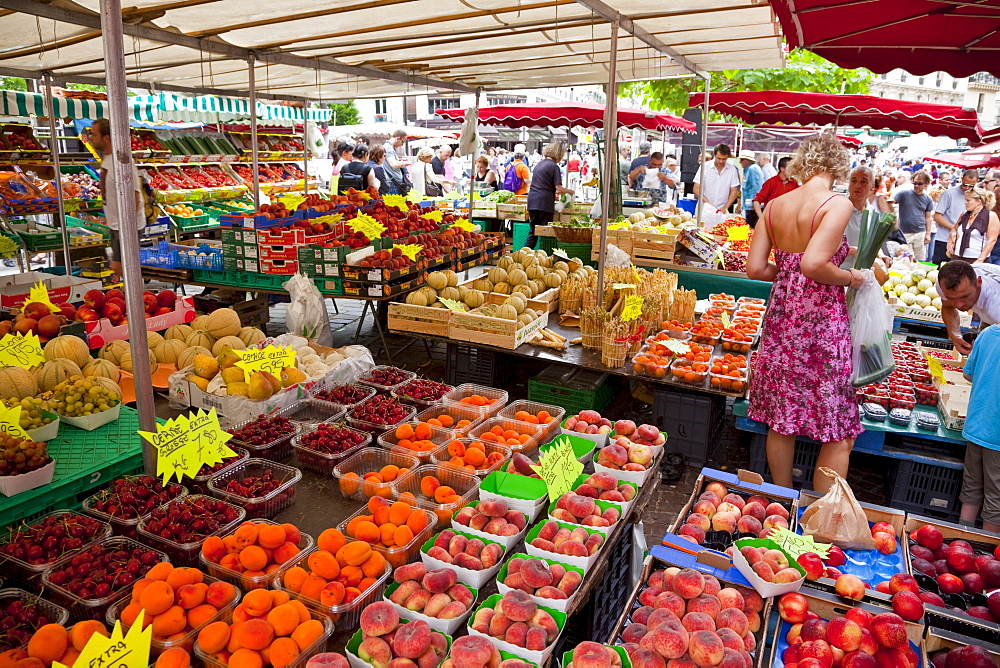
(812, 224)
(770, 228)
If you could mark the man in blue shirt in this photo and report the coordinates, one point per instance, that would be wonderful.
(753, 179)
(981, 480)
(654, 179)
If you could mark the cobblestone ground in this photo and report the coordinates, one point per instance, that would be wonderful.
(729, 453)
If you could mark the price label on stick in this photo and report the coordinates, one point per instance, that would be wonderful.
(410, 250)
(464, 225)
(622, 286)
(186, 443)
(559, 467)
(633, 308)
(40, 293)
(397, 201)
(738, 233)
(128, 651)
(726, 322)
(330, 219)
(452, 305)
(560, 253)
(10, 422)
(292, 201)
(367, 226)
(271, 359)
(795, 544)
(933, 363)
(21, 350)
(675, 346)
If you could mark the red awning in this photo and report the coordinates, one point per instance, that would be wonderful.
(987, 155)
(779, 106)
(569, 114)
(919, 36)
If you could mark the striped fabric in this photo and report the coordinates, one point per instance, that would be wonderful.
(203, 109)
(20, 103)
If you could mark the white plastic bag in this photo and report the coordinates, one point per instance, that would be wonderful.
(307, 314)
(564, 200)
(871, 333)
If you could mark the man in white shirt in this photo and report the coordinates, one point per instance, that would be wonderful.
(395, 167)
(100, 139)
(949, 209)
(764, 162)
(968, 287)
(721, 184)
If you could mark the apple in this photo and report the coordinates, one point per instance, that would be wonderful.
(166, 298)
(94, 299)
(87, 314)
(812, 564)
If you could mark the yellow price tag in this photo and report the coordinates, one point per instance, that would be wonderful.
(186, 443)
(738, 233)
(20, 350)
(635, 272)
(934, 364)
(71, 205)
(437, 216)
(271, 359)
(40, 293)
(618, 226)
(367, 226)
(410, 250)
(795, 544)
(130, 651)
(675, 346)
(292, 201)
(364, 195)
(10, 421)
(452, 305)
(633, 308)
(726, 322)
(397, 201)
(330, 219)
(464, 225)
(559, 467)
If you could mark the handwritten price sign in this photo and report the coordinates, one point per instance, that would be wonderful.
(367, 226)
(675, 346)
(10, 422)
(330, 219)
(20, 350)
(726, 322)
(292, 202)
(130, 651)
(186, 443)
(633, 308)
(452, 305)
(464, 225)
(794, 544)
(40, 293)
(410, 250)
(271, 359)
(436, 216)
(397, 201)
(933, 363)
(738, 233)
(559, 467)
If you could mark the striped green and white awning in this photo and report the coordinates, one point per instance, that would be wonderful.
(284, 115)
(20, 103)
(202, 109)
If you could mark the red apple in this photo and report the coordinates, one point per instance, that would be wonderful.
(120, 303)
(67, 310)
(94, 299)
(114, 293)
(812, 565)
(87, 314)
(112, 313)
(149, 303)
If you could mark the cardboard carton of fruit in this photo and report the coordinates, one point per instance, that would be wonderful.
(767, 566)
(432, 595)
(596, 655)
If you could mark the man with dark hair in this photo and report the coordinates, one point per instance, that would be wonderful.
(916, 209)
(654, 179)
(394, 166)
(968, 287)
(774, 187)
(100, 139)
(949, 209)
(641, 161)
(717, 184)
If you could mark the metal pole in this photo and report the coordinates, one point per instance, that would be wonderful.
(54, 147)
(610, 154)
(114, 64)
(305, 146)
(704, 147)
(254, 164)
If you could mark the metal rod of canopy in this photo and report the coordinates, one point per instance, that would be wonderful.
(50, 112)
(702, 165)
(610, 154)
(254, 163)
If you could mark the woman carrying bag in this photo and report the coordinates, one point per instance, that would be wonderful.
(424, 179)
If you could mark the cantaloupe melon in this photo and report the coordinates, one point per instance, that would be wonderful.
(126, 363)
(52, 373)
(251, 335)
(67, 347)
(169, 350)
(507, 312)
(517, 303)
(502, 288)
(497, 275)
(505, 262)
(534, 272)
(451, 276)
(437, 280)
(153, 339)
(113, 351)
(178, 332)
(233, 342)
(199, 322)
(474, 299)
(483, 285)
(17, 383)
(223, 322)
(517, 277)
(103, 369)
(200, 338)
(416, 298)
(449, 293)
(553, 280)
(186, 358)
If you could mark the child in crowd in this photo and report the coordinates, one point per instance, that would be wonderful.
(981, 480)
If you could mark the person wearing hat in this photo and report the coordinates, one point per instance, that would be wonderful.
(753, 179)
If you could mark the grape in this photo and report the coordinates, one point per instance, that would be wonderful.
(31, 411)
(80, 396)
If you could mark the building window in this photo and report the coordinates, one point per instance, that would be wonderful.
(954, 84)
(940, 79)
(920, 81)
(492, 100)
(981, 103)
(902, 77)
(381, 106)
(884, 75)
(435, 103)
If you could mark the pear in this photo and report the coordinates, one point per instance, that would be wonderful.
(290, 376)
(227, 359)
(239, 389)
(202, 383)
(273, 380)
(205, 366)
(233, 374)
(260, 388)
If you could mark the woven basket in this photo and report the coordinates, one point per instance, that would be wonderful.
(573, 305)
(591, 330)
(573, 235)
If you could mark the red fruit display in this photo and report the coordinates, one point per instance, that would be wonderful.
(189, 519)
(264, 430)
(331, 439)
(381, 411)
(133, 496)
(541, 579)
(345, 394)
(492, 517)
(423, 390)
(385, 376)
(47, 539)
(102, 569)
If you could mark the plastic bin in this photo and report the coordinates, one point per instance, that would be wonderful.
(55, 614)
(199, 484)
(351, 471)
(533, 431)
(248, 582)
(389, 441)
(926, 489)
(690, 421)
(578, 390)
(441, 456)
(346, 615)
(300, 661)
(398, 555)
(185, 554)
(372, 427)
(548, 430)
(363, 378)
(468, 364)
(456, 413)
(277, 450)
(322, 462)
(498, 398)
(28, 575)
(187, 641)
(400, 393)
(95, 608)
(464, 483)
(119, 526)
(307, 413)
(366, 393)
(265, 506)
(684, 368)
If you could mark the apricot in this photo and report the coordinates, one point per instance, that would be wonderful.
(312, 586)
(294, 578)
(283, 652)
(292, 533)
(201, 614)
(48, 643)
(408, 498)
(279, 597)
(380, 516)
(12, 656)
(307, 633)
(253, 558)
(130, 613)
(422, 431)
(301, 609)
(246, 658)
(283, 619)
(417, 521)
(350, 483)
(190, 596)
(389, 472)
(374, 565)
(174, 657)
(386, 533)
(214, 549)
(257, 602)
(475, 456)
(232, 562)
(246, 534)
(332, 594)
(68, 659)
(324, 564)
(285, 551)
(367, 531)
(270, 536)
(178, 578)
(404, 430)
(330, 540)
(428, 485)
(254, 634)
(399, 512)
(354, 553)
(442, 493)
(402, 536)
(81, 632)
(446, 420)
(170, 621)
(351, 576)
(156, 598)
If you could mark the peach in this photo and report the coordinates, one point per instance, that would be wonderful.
(549, 591)
(542, 619)
(793, 607)
(517, 634)
(515, 582)
(668, 642)
(670, 601)
(461, 593)
(885, 542)
(889, 630)
(440, 554)
(535, 573)
(594, 543)
(543, 544)
(699, 520)
(402, 663)
(694, 531)
(472, 651)
(706, 604)
(749, 642)
(844, 634)
(452, 610)
(730, 638)
(711, 497)
(648, 595)
(752, 599)
(731, 618)
(641, 614)
(571, 548)
(728, 508)
(753, 618)
(850, 586)
(786, 575)
(730, 598)
(436, 604)
(712, 586)
(705, 508)
(688, 583)
(418, 600)
(752, 554)
(644, 657)
(517, 605)
(468, 562)
(661, 616)
(749, 524)
(491, 555)
(481, 622)
(516, 518)
(776, 508)
(557, 570)
(705, 648)
(816, 649)
(717, 488)
(569, 582)
(755, 510)
(535, 639)
(378, 618)
(478, 521)
(328, 660)
(415, 571)
(439, 581)
(404, 591)
(764, 571)
(375, 651)
(724, 522)
(734, 499)
(698, 621)
(457, 544)
(464, 515)
(412, 639)
(548, 530)
(499, 624)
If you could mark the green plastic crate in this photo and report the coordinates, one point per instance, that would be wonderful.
(103, 230)
(220, 277)
(38, 238)
(573, 400)
(330, 286)
(579, 251)
(262, 281)
(521, 231)
(546, 244)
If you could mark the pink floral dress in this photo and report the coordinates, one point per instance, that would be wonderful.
(802, 369)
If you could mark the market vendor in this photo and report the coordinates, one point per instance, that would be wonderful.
(100, 139)
(968, 287)
(546, 185)
(653, 178)
(717, 185)
(860, 190)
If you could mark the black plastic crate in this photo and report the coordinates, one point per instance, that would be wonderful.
(803, 464)
(692, 422)
(926, 489)
(467, 364)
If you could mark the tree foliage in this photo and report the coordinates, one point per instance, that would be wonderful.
(13, 83)
(804, 71)
(345, 113)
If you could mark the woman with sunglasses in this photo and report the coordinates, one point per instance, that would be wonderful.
(975, 234)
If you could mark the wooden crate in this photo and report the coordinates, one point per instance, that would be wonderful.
(543, 302)
(620, 238)
(484, 209)
(478, 328)
(652, 246)
(419, 319)
(937, 640)
(518, 212)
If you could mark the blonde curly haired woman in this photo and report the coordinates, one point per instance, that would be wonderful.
(802, 369)
(975, 234)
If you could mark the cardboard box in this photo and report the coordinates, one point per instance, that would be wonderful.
(14, 289)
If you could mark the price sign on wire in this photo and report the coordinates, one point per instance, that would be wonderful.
(795, 544)
(185, 443)
(40, 293)
(292, 201)
(933, 363)
(10, 422)
(397, 201)
(271, 359)
(130, 651)
(71, 205)
(559, 467)
(738, 233)
(633, 308)
(21, 350)
(410, 250)
(437, 216)
(366, 225)
(452, 305)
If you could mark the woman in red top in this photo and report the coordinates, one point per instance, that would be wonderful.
(573, 171)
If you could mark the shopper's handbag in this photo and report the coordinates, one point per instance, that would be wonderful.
(837, 517)
(871, 333)
(431, 189)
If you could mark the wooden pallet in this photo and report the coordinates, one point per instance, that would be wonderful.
(623, 239)
(168, 275)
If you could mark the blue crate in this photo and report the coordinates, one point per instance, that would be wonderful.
(161, 255)
(204, 257)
